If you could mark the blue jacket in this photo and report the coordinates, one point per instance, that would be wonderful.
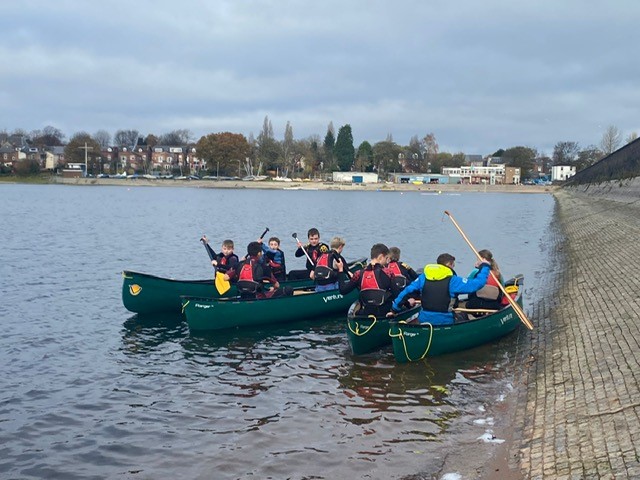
(457, 286)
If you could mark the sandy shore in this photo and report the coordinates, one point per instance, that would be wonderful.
(391, 187)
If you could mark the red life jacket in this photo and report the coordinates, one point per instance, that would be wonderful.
(370, 292)
(398, 279)
(246, 280)
(324, 267)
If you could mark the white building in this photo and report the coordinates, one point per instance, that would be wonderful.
(476, 173)
(355, 177)
(559, 173)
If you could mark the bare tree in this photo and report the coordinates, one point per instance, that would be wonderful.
(611, 140)
(126, 138)
(632, 136)
(103, 138)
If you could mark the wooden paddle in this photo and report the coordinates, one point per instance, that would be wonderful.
(221, 284)
(512, 302)
(295, 235)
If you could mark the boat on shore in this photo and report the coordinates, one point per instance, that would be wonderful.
(225, 313)
(413, 342)
(367, 334)
(147, 294)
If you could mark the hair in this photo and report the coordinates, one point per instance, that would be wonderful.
(394, 254)
(227, 243)
(337, 242)
(275, 239)
(445, 258)
(254, 248)
(487, 255)
(379, 249)
(313, 231)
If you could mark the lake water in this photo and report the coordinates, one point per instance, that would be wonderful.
(88, 390)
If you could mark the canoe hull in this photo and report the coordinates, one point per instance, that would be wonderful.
(415, 342)
(224, 313)
(368, 334)
(148, 294)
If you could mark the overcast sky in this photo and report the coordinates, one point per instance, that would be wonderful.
(480, 75)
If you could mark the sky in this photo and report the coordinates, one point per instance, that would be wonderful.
(480, 75)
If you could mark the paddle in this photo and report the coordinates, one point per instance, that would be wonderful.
(221, 284)
(512, 302)
(295, 236)
(264, 233)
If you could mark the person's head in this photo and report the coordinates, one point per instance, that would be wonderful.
(274, 243)
(380, 254)
(488, 256)
(337, 244)
(394, 254)
(314, 236)
(227, 247)
(254, 249)
(446, 259)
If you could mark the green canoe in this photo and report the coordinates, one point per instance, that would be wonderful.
(221, 313)
(145, 294)
(367, 334)
(414, 342)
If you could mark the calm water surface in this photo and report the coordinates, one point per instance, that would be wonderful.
(88, 390)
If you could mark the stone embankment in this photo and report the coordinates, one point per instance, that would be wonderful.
(579, 405)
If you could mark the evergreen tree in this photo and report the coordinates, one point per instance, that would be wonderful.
(344, 150)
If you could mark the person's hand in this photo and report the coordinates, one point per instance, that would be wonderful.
(259, 240)
(340, 265)
(479, 263)
(226, 277)
(214, 263)
(276, 285)
(411, 302)
(204, 239)
(312, 274)
(391, 314)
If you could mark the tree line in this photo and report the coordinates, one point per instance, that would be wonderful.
(226, 153)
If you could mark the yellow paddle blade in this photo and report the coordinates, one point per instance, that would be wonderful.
(222, 285)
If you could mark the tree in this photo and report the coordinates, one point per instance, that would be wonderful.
(26, 167)
(126, 138)
(364, 157)
(565, 153)
(268, 150)
(74, 151)
(588, 157)
(151, 140)
(328, 144)
(180, 137)
(430, 150)
(498, 153)
(414, 155)
(521, 157)
(287, 149)
(385, 157)
(611, 139)
(103, 138)
(47, 137)
(344, 151)
(632, 136)
(223, 152)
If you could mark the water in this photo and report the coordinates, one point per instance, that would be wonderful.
(88, 390)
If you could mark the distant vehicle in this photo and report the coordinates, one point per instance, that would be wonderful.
(181, 177)
(193, 177)
(120, 175)
(135, 176)
(103, 175)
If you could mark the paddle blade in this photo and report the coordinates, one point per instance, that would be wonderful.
(222, 285)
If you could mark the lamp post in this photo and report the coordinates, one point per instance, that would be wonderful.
(86, 150)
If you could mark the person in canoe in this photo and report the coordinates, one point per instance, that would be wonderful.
(401, 273)
(312, 250)
(490, 296)
(325, 274)
(439, 286)
(274, 258)
(254, 276)
(375, 284)
(225, 261)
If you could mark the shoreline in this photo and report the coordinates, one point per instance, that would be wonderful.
(296, 185)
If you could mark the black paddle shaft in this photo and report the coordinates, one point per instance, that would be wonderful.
(264, 233)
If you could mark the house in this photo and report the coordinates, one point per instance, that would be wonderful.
(355, 177)
(559, 173)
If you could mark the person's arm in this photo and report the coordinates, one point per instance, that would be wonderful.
(411, 273)
(460, 285)
(232, 267)
(346, 284)
(415, 286)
